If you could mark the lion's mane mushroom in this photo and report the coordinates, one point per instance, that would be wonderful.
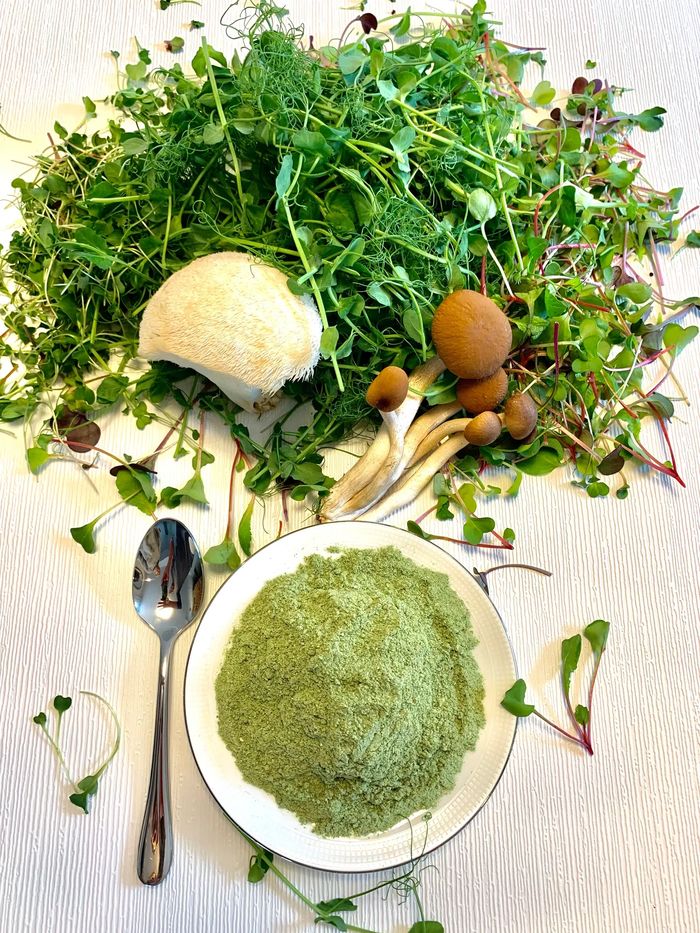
(520, 415)
(477, 395)
(234, 320)
(471, 334)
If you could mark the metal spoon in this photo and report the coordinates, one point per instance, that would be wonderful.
(167, 588)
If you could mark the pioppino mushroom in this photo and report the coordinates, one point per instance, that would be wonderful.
(520, 414)
(471, 334)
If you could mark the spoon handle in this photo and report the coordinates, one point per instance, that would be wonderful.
(156, 843)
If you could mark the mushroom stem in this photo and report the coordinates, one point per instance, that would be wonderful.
(384, 454)
(435, 437)
(359, 474)
(412, 484)
(423, 426)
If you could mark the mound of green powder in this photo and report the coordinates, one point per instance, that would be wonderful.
(349, 690)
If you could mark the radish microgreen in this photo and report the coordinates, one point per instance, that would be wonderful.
(85, 788)
(514, 700)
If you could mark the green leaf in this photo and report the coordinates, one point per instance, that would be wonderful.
(135, 488)
(402, 27)
(387, 89)
(427, 926)
(693, 239)
(582, 715)
(597, 635)
(401, 142)
(543, 94)
(337, 903)
(312, 143)
(481, 205)
(175, 45)
(111, 388)
(82, 801)
(637, 292)
(284, 176)
(590, 64)
(570, 654)
(39, 719)
(678, 337)
(352, 60)
(89, 784)
(212, 134)
(259, 866)
(475, 528)
(61, 703)
(543, 462)
(85, 536)
(514, 700)
(649, 120)
(134, 145)
(514, 487)
(224, 555)
(329, 341)
(245, 534)
(413, 324)
(309, 473)
(333, 920)
(466, 494)
(36, 458)
(416, 530)
(381, 296)
(194, 489)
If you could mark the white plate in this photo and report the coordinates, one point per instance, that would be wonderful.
(256, 811)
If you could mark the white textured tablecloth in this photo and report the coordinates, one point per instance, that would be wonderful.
(565, 843)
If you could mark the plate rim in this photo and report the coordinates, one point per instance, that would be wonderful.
(428, 849)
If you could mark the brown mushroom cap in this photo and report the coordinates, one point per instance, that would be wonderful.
(477, 395)
(520, 415)
(484, 429)
(388, 389)
(471, 334)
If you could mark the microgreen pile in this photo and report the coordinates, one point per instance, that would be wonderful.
(380, 174)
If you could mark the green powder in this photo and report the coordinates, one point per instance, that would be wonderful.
(349, 690)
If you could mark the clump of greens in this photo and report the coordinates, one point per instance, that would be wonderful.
(371, 692)
(379, 174)
(514, 701)
(85, 788)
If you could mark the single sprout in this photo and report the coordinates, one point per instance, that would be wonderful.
(388, 390)
(477, 395)
(520, 415)
(484, 429)
(471, 334)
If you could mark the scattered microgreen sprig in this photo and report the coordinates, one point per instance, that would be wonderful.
(85, 788)
(596, 633)
(406, 882)
(379, 175)
(462, 499)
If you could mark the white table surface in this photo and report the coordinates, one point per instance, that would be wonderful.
(566, 843)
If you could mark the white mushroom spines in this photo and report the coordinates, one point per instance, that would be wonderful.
(233, 319)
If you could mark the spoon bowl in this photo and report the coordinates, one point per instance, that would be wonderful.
(167, 589)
